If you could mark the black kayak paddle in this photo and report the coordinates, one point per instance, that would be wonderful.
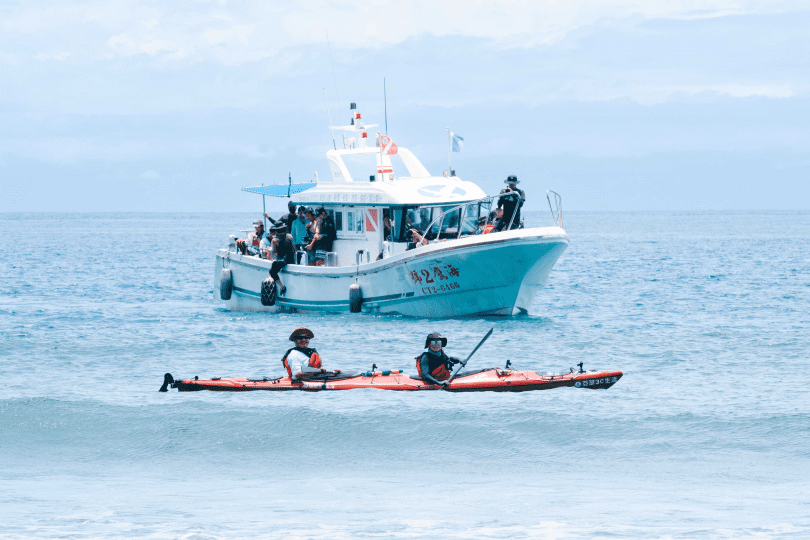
(464, 363)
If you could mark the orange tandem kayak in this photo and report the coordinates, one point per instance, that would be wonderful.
(491, 379)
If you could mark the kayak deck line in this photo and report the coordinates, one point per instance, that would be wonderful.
(484, 380)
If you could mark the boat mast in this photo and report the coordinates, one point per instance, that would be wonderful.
(329, 113)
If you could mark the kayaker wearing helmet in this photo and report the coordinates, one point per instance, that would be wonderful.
(301, 361)
(434, 365)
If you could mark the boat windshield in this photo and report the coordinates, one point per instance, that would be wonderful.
(457, 220)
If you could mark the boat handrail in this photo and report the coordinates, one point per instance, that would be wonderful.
(555, 215)
(463, 214)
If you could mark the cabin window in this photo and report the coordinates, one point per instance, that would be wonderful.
(337, 218)
(354, 221)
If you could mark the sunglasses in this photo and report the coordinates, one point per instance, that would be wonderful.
(301, 339)
(435, 342)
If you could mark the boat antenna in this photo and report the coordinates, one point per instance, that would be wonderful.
(330, 118)
(449, 150)
(334, 78)
(385, 107)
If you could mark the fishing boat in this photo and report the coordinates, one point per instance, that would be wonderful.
(490, 379)
(379, 195)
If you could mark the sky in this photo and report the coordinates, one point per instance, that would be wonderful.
(119, 105)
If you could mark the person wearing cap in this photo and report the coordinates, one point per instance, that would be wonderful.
(511, 204)
(250, 245)
(301, 361)
(433, 365)
(287, 219)
(282, 253)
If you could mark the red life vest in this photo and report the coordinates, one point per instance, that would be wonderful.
(314, 359)
(437, 366)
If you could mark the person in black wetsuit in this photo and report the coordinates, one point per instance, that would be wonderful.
(324, 233)
(510, 204)
(433, 365)
(282, 250)
(287, 219)
(328, 233)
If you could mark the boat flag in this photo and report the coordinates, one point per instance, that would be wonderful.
(371, 219)
(389, 147)
(458, 142)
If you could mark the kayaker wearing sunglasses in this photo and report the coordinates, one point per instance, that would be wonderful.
(301, 361)
(433, 365)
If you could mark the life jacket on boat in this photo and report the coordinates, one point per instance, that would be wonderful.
(439, 366)
(314, 359)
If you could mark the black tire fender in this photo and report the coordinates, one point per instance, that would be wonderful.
(355, 298)
(225, 284)
(268, 292)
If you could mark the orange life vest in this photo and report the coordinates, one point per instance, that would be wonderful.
(437, 366)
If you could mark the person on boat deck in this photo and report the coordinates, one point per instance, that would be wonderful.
(511, 204)
(282, 253)
(311, 226)
(250, 246)
(433, 365)
(388, 229)
(299, 229)
(301, 361)
(388, 233)
(416, 239)
(328, 233)
(324, 234)
(287, 219)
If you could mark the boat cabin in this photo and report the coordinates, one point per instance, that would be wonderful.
(378, 192)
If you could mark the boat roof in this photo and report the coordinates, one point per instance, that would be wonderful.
(280, 190)
(374, 171)
(404, 191)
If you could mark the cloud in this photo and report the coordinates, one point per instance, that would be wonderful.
(248, 31)
(43, 57)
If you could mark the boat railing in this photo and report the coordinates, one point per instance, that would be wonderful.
(556, 211)
(463, 209)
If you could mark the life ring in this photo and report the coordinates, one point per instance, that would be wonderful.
(488, 228)
(225, 284)
(268, 292)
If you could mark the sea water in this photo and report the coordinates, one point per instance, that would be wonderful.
(707, 435)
